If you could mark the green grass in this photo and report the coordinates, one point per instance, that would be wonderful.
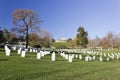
(15, 67)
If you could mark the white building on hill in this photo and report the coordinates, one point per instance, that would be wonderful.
(61, 40)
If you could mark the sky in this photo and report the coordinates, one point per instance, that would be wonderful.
(62, 18)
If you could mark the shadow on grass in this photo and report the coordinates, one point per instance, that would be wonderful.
(2, 50)
(3, 59)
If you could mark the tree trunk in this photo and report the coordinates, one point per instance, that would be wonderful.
(26, 37)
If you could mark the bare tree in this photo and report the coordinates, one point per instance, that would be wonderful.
(26, 19)
(91, 43)
(110, 39)
(71, 43)
(46, 38)
(34, 39)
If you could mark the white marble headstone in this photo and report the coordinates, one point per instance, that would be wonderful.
(104, 54)
(42, 53)
(38, 55)
(87, 58)
(117, 56)
(93, 57)
(76, 56)
(107, 59)
(80, 56)
(53, 56)
(14, 48)
(34, 50)
(90, 58)
(101, 59)
(19, 51)
(7, 52)
(31, 50)
(70, 58)
(23, 54)
(66, 56)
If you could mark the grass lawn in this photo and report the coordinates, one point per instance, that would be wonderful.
(15, 67)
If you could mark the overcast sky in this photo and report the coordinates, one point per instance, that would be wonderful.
(63, 17)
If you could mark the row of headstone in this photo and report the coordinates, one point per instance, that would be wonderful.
(71, 56)
(22, 52)
(41, 54)
(7, 51)
(91, 55)
(35, 50)
(68, 57)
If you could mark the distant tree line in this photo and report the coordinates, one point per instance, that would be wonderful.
(110, 40)
(27, 32)
(35, 39)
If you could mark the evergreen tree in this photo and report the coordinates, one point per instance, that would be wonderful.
(3, 36)
(82, 39)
